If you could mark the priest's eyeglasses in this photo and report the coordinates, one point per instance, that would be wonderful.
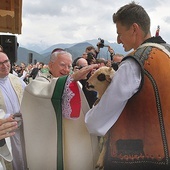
(4, 62)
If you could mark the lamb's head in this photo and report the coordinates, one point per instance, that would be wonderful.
(100, 80)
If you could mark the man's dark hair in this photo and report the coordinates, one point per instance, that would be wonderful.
(41, 63)
(133, 13)
(90, 48)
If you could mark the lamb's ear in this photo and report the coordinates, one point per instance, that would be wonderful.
(110, 68)
(101, 77)
(108, 78)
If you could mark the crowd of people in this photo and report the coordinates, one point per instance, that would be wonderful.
(28, 72)
(134, 108)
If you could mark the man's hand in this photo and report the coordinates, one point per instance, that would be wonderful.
(7, 127)
(111, 51)
(82, 73)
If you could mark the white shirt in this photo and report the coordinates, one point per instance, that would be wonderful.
(10, 97)
(124, 85)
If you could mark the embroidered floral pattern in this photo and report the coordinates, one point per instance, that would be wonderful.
(67, 96)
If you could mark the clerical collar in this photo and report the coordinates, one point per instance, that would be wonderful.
(4, 79)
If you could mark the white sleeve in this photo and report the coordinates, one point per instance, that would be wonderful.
(124, 85)
(23, 75)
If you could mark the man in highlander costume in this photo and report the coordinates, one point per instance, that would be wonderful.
(53, 108)
(135, 109)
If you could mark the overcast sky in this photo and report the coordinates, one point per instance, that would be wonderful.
(49, 22)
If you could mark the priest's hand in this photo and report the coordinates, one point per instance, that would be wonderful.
(82, 73)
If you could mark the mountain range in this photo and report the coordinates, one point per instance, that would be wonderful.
(76, 49)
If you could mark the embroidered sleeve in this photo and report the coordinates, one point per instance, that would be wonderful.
(71, 102)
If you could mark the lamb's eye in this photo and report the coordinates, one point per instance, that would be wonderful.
(101, 77)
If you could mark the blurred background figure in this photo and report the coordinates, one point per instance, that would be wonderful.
(157, 31)
(1, 48)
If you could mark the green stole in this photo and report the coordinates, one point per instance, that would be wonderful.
(57, 104)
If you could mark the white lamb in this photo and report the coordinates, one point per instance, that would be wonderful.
(99, 82)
